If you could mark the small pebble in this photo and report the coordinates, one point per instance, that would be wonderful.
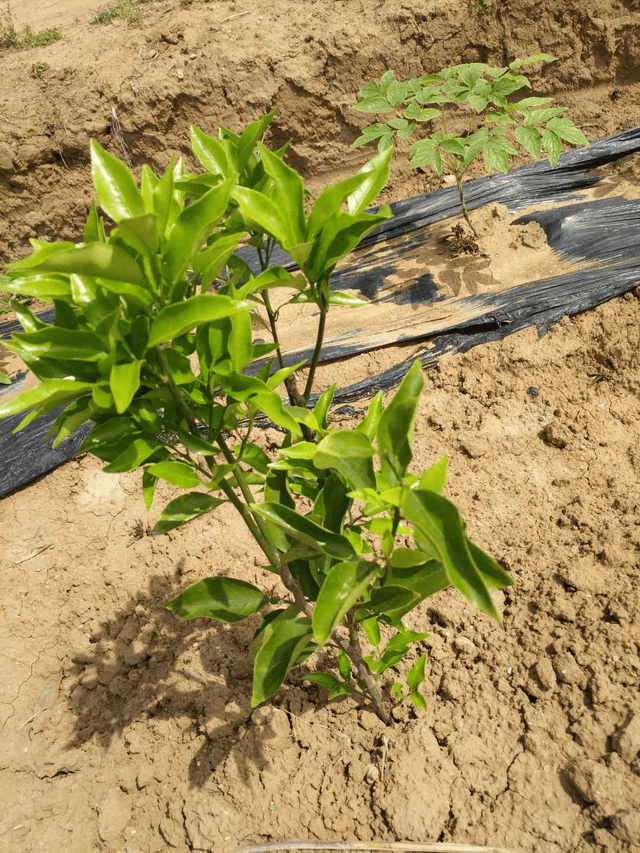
(533, 392)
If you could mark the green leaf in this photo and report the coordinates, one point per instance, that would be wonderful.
(371, 628)
(56, 391)
(552, 145)
(195, 444)
(212, 153)
(177, 473)
(415, 676)
(181, 317)
(507, 84)
(424, 152)
(141, 234)
(323, 679)
(62, 344)
(350, 453)
(132, 456)
(185, 508)
(536, 117)
(221, 598)
(414, 112)
(391, 602)
(302, 529)
(342, 587)
(250, 135)
(373, 105)
(340, 690)
(193, 226)
(149, 484)
(529, 138)
(115, 185)
(496, 153)
(287, 192)
(418, 700)
(369, 424)
(124, 381)
(47, 287)
(395, 428)
(530, 60)
(434, 479)
(531, 102)
(566, 129)
(344, 665)
(97, 259)
(260, 211)
(377, 172)
(283, 642)
(209, 262)
(321, 408)
(439, 520)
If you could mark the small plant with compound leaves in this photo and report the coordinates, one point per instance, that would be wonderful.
(435, 100)
(152, 343)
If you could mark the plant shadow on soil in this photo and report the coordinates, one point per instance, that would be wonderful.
(127, 676)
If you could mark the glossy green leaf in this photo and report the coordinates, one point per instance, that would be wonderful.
(46, 287)
(395, 428)
(250, 136)
(212, 153)
(434, 479)
(377, 172)
(184, 509)
(333, 197)
(177, 473)
(209, 262)
(287, 192)
(221, 598)
(124, 381)
(149, 483)
(418, 700)
(391, 601)
(260, 211)
(302, 529)
(115, 185)
(56, 391)
(193, 226)
(440, 521)
(323, 679)
(181, 317)
(134, 454)
(283, 641)
(415, 676)
(97, 259)
(350, 453)
(342, 587)
(140, 234)
(63, 344)
(344, 666)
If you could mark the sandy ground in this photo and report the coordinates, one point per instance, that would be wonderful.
(124, 729)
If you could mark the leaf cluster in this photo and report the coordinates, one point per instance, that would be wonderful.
(153, 343)
(484, 88)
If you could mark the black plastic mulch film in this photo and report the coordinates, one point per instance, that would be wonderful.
(602, 233)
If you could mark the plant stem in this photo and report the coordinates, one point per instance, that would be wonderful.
(316, 352)
(465, 213)
(352, 650)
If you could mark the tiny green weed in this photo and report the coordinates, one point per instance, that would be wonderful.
(124, 10)
(10, 38)
(38, 69)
